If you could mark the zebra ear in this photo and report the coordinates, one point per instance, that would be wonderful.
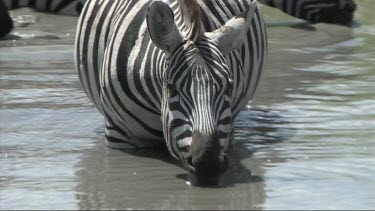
(162, 27)
(232, 35)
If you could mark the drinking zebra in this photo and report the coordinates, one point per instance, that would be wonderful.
(174, 72)
(328, 11)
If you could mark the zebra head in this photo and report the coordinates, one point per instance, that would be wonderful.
(197, 90)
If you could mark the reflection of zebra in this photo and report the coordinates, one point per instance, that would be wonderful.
(152, 82)
(329, 11)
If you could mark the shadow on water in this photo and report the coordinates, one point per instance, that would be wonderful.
(152, 179)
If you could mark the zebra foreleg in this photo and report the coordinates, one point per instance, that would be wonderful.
(116, 139)
(6, 23)
(119, 138)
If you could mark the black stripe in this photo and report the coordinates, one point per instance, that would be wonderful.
(144, 125)
(95, 48)
(86, 43)
(15, 4)
(185, 134)
(32, 3)
(293, 8)
(214, 11)
(117, 129)
(128, 43)
(48, 5)
(284, 5)
(178, 123)
(77, 48)
(262, 50)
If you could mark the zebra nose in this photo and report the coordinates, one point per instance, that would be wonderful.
(223, 163)
(206, 161)
(189, 164)
(206, 173)
(206, 170)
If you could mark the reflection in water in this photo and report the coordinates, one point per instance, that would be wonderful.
(151, 179)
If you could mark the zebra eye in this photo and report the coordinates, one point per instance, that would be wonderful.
(174, 97)
(171, 87)
(172, 90)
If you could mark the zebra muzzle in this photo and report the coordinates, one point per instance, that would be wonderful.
(207, 172)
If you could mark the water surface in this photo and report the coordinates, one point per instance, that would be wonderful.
(306, 141)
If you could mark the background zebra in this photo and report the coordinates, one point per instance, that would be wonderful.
(328, 11)
(61, 7)
(166, 80)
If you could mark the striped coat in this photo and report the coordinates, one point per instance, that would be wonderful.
(122, 71)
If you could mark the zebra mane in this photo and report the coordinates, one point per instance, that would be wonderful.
(191, 16)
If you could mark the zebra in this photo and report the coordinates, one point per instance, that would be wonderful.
(173, 72)
(315, 11)
(6, 23)
(327, 11)
(61, 7)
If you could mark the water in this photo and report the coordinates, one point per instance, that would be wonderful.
(308, 141)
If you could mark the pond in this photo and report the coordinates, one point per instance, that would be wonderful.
(307, 140)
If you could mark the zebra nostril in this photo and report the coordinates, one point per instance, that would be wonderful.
(189, 164)
(225, 163)
(189, 160)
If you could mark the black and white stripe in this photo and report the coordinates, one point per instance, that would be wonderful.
(125, 75)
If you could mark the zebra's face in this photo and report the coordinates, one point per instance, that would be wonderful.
(197, 90)
(196, 107)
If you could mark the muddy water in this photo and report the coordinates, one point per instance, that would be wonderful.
(307, 142)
